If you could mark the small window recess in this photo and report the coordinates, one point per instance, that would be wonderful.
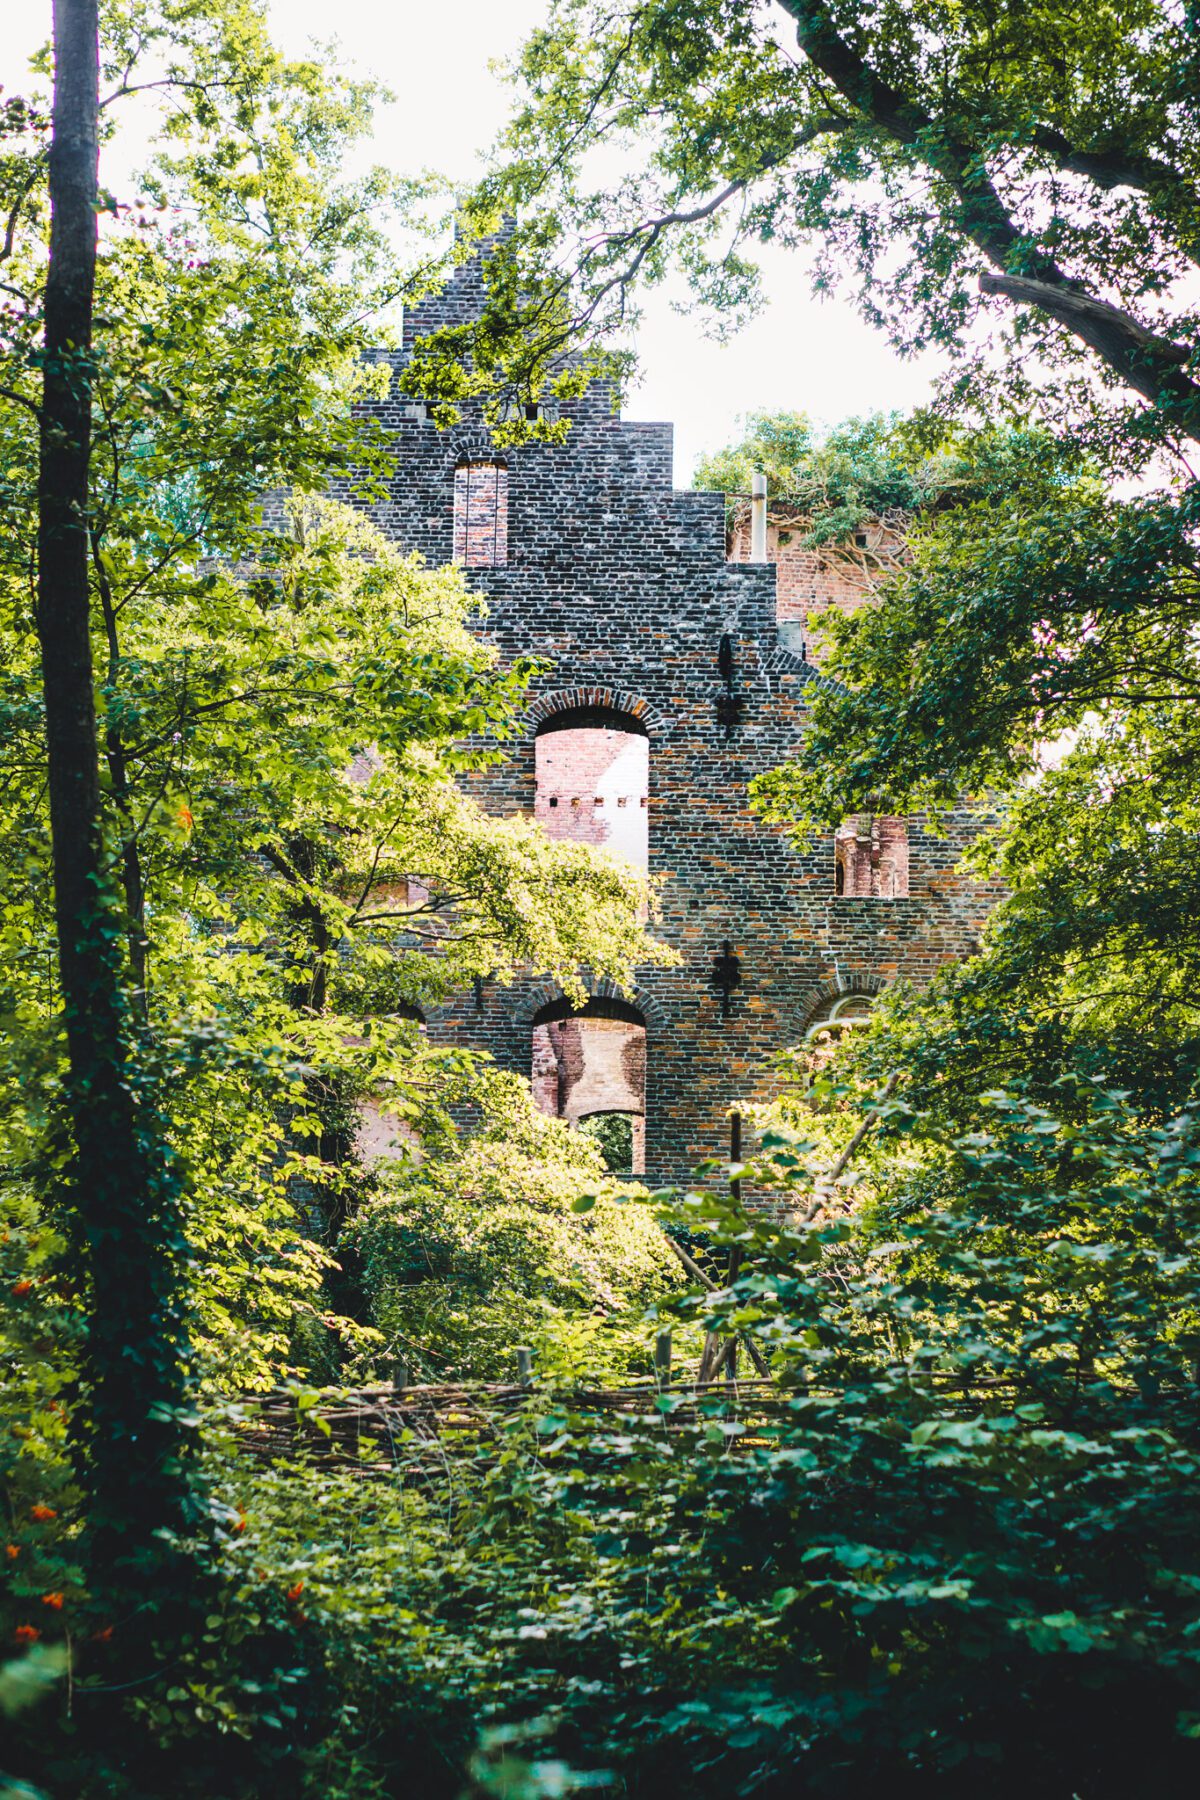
(871, 858)
(481, 514)
(838, 1016)
(528, 412)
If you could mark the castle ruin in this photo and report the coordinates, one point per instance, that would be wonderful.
(681, 669)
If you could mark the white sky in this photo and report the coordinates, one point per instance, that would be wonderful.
(817, 356)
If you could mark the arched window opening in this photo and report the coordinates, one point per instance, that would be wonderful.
(870, 858)
(615, 1133)
(481, 514)
(592, 1064)
(835, 1018)
(592, 780)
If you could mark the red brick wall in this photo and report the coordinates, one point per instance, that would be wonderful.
(589, 1065)
(810, 582)
(591, 785)
(871, 858)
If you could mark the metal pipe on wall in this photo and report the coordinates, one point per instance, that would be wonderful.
(758, 518)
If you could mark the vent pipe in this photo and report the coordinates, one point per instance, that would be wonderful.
(758, 518)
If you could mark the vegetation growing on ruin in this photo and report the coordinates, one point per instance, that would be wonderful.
(836, 479)
(950, 1546)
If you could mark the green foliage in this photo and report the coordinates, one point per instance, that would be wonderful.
(614, 1134)
(469, 1252)
(1023, 182)
(841, 477)
(287, 702)
(956, 1548)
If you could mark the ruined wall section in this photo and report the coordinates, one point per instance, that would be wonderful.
(623, 585)
(813, 580)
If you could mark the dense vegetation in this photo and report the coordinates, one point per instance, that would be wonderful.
(955, 1550)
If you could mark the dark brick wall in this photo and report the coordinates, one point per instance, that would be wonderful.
(624, 585)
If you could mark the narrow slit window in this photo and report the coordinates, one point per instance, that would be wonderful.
(481, 514)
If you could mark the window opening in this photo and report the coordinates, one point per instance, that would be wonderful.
(590, 1065)
(614, 1132)
(871, 858)
(592, 774)
(481, 514)
(843, 1013)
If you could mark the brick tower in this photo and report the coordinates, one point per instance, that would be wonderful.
(674, 683)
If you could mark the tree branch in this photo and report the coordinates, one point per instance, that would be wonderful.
(1139, 358)
(1118, 167)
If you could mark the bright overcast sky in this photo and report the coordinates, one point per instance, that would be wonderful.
(814, 355)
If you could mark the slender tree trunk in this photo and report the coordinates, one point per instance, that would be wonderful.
(124, 1192)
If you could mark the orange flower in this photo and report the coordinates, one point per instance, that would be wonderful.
(294, 1593)
(54, 1600)
(21, 1288)
(103, 1636)
(27, 1634)
(12, 1551)
(42, 1513)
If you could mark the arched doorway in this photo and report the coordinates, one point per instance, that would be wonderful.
(590, 1064)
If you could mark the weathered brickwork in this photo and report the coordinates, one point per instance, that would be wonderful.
(583, 1066)
(481, 514)
(814, 581)
(656, 636)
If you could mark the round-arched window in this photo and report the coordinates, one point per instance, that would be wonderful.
(592, 779)
(837, 1016)
(590, 1064)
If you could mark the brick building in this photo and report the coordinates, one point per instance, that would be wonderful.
(679, 673)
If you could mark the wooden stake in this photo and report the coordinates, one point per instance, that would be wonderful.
(662, 1359)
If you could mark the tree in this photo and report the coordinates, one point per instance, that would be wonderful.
(212, 861)
(126, 1188)
(1035, 170)
(837, 479)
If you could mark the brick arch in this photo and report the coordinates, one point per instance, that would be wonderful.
(861, 981)
(541, 994)
(573, 699)
(473, 445)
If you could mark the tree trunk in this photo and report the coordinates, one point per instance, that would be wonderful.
(123, 1188)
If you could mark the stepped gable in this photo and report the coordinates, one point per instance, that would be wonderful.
(677, 675)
